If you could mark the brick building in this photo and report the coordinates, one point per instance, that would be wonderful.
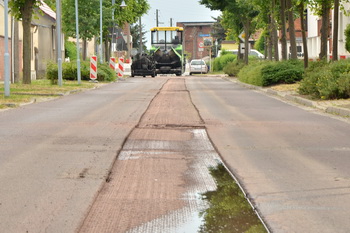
(194, 34)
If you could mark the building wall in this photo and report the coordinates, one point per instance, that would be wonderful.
(192, 37)
(44, 47)
(2, 48)
(314, 40)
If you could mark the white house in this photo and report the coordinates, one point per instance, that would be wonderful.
(314, 37)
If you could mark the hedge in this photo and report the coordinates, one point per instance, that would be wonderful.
(327, 80)
(69, 71)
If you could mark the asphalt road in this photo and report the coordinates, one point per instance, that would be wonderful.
(293, 162)
(55, 155)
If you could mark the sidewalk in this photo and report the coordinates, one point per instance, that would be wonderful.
(339, 107)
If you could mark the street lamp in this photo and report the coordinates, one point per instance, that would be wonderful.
(59, 52)
(6, 55)
(123, 5)
(101, 54)
(77, 35)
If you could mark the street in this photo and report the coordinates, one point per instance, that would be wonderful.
(131, 150)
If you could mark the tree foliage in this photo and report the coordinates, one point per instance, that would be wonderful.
(242, 11)
(135, 32)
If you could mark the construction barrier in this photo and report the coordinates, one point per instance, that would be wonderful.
(120, 67)
(112, 63)
(93, 67)
(127, 67)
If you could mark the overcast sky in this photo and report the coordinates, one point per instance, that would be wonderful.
(178, 10)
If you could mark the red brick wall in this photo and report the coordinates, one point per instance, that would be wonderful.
(2, 51)
(192, 39)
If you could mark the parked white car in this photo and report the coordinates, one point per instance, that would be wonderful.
(198, 67)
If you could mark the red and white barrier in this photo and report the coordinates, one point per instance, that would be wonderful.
(120, 67)
(112, 63)
(93, 67)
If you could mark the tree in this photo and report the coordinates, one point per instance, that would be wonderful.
(243, 10)
(283, 29)
(322, 8)
(88, 20)
(135, 32)
(301, 9)
(218, 31)
(51, 4)
(335, 30)
(89, 17)
(292, 39)
(23, 9)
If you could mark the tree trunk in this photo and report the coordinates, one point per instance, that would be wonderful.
(269, 43)
(27, 12)
(84, 49)
(293, 45)
(283, 29)
(274, 31)
(303, 32)
(246, 26)
(107, 54)
(324, 30)
(335, 30)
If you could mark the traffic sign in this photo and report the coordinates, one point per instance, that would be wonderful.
(201, 44)
(242, 36)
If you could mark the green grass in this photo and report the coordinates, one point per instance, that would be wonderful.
(38, 90)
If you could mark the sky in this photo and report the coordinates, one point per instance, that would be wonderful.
(178, 10)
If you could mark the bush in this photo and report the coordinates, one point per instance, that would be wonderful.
(220, 62)
(347, 37)
(70, 50)
(224, 59)
(69, 71)
(216, 64)
(252, 73)
(289, 71)
(232, 68)
(327, 80)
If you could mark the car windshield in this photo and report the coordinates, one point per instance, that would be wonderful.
(197, 63)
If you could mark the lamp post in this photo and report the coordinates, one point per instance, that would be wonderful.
(123, 5)
(101, 53)
(113, 26)
(78, 46)
(6, 55)
(59, 52)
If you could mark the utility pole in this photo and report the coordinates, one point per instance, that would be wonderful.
(157, 24)
(6, 55)
(171, 24)
(15, 52)
(78, 43)
(59, 50)
(140, 49)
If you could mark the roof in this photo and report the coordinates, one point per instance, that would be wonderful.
(167, 29)
(204, 23)
(47, 10)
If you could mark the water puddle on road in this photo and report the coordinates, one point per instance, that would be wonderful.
(228, 209)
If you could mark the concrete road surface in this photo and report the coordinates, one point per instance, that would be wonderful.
(55, 155)
(293, 163)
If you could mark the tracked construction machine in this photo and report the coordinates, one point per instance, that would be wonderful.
(166, 54)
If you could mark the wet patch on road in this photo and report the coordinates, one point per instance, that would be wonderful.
(169, 178)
